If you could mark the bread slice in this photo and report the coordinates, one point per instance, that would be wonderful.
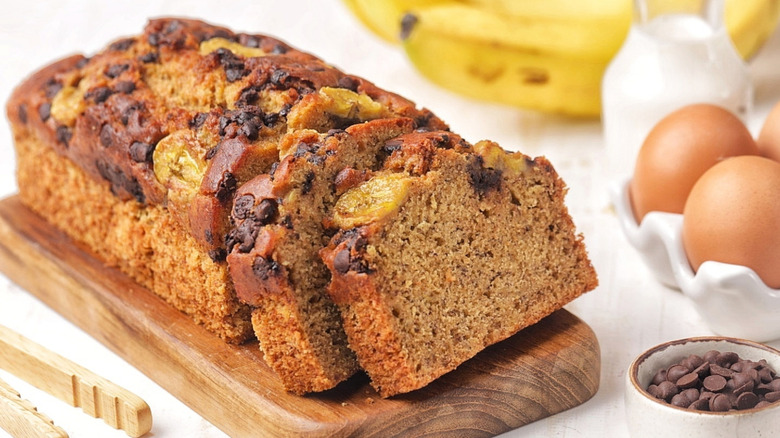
(445, 250)
(138, 152)
(274, 248)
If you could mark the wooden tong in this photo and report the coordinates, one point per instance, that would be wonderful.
(68, 382)
(20, 418)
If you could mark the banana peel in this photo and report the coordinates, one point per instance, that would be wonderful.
(550, 65)
(542, 55)
(750, 23)
(383, 17)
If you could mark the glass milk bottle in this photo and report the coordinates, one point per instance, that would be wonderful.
(677, 53)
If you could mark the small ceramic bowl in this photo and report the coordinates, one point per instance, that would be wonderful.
(731, 299)
(649, 417)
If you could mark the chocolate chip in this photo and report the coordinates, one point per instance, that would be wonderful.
(173, 26)
(246, 121)
(676, 372)
(483, 179)
(392, 145)
(248, 96)
(666, 390)
(680, 401)
(653, 390)
(348, 82)
(703, 369)
(279, 76)
(701, 404)
(198, 120)
(746, 400)
(119, 180)
(232, 64)
(265, 268)
(21, 111)
(714, 383)
(741, 379)
(711, 355)
(250, 130)
(317, 159)
(122, 44)
(726, 359)
(125, 87)
(142, 152)
(731, 383)
(335, 132)
(218, 255)
(443, 141)
(279, 49)
(235, 73)
(266, 211)
(115, 70)
(64, 134)
(659, 376)
(51, 88)
(765, 375)
(227, 185)
(243, 236)
(250, 40)
(106, 135)
(98, 94)
(44, 111)
(285, 110)
(306, 148)
(720, 403)
(688, 381)
(270, 119)
(242, 206)
(307, 182)
(341, 261)
(128, 111)
(720, 371)
(148, 57)
(154, 39)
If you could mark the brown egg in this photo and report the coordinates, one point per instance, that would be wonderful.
(769, 137)
(733, 216)
(678, 150)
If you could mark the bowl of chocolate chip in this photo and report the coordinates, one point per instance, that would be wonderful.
(704, 387)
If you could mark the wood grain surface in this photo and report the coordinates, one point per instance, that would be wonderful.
(545, 369)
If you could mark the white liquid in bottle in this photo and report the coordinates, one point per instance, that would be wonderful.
(666, 63)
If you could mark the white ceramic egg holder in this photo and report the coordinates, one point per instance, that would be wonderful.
(732, 299)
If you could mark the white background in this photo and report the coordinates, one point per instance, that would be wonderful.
(629, 312)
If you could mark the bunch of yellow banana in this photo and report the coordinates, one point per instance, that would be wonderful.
(546, 55)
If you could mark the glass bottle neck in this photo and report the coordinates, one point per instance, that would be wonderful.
(711, 11)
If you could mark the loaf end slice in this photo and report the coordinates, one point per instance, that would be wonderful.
(447, 249)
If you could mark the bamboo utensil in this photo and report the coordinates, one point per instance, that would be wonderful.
(21, 419)
(73, 384)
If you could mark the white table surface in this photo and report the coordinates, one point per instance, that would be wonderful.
(629, 311)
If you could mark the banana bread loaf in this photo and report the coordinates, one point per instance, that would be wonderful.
(265, 193)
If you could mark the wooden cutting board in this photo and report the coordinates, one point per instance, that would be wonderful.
(545, 369)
